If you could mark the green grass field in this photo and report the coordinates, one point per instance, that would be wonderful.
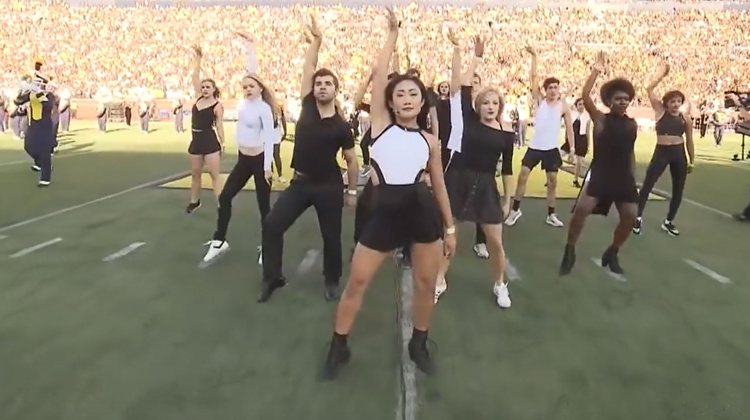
(89, 333)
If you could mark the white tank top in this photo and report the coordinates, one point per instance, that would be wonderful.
(547, 126)
(400, 155)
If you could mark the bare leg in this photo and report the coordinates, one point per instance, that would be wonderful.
(213, 162)
(196, 172)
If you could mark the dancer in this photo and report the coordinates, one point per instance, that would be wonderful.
(611, 176)
(671, 125)
(581, 129)
(479, 136)
(405, 211)
(255, 140)
(543, 147)
(320, 133)
(208, 134)
(281, 133)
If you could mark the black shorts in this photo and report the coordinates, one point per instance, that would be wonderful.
(581, 144)
(550, 159)
(609, 189)
(415, 219)
(204, 143)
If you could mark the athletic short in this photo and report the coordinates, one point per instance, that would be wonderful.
(401, 217)
(550, 159)
(608, 190)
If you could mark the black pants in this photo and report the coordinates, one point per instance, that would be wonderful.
(328, 201)
(128, 115)
(674, 157)
(703, 128)
(364, 145)
(246, 167)
(42, 156)
(277, 157)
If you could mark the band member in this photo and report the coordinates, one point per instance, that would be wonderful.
(39, 140)
(320, 134)
(144, 111)
(65, 110)
(179, 115)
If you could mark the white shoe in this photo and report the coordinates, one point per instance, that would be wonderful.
(502, 294)
(260, 255)
(216, 249)
(513, 217)
(481, 251)
(552, 220)
(440, 288)
(365, 171)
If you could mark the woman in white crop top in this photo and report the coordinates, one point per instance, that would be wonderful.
(255, 138)
(404, 210)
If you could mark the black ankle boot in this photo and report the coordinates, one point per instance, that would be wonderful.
(338, 356)
(418, 352)
(568, 261)
(610, 259)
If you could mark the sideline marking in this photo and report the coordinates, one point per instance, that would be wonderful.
(308, 261)
(123, 252)
(707, 271)
(29, 250)
(29, 162)
(94, 201)
(408, 405)
(511, 271)
(617, 277)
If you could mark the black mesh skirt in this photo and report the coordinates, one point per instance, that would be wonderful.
(474, 196)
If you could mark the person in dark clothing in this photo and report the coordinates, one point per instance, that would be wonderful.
(611, 176)
(40, 138)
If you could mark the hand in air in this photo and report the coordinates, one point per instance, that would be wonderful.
(478, 46)
(452, 37)
(531, 50)
(664, 70)
(197, 50)
(392, 20)
(314, 29)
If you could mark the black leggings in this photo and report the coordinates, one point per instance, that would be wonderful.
(365, 146)
(245, 168)
(277, 157)
(674, 157)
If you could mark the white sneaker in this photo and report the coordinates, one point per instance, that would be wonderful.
(260, 255)
(365, 171)
(440, 288)
(502, 294)
(481, 251)
(513, 217)
(215, 250)
(552, 220)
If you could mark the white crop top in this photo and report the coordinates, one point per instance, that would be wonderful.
(255, 128)
(400, 155)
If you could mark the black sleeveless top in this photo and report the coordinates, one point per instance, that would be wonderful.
(203, 119)
(613, 146)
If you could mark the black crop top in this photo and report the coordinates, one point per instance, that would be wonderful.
(203, 119)
(670, 125)
(481, 145)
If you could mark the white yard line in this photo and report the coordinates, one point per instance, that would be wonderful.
(34, 248)
(97, 200)
(408, 403)
(707, 271)
(510, 271)
(615, 276)
(123, 252)
(29, 162)
(308, 261)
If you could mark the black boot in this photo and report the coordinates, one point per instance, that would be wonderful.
(610, 259)
(568, 261)
(331, 292)
(338, 356)
(418, 352)
(268, 287)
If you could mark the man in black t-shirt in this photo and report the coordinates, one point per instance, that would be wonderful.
(320, 133)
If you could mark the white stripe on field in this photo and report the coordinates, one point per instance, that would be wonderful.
(510, 271)
(617, 277)
(707, 271)
(123, 252)
(29, 250)
(97, 200)
(29, 162)
(408, 411)
(308, 261)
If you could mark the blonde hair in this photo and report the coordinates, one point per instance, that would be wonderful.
(482, 95)
(266, 95)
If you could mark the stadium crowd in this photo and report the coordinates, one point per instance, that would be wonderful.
(87, 48)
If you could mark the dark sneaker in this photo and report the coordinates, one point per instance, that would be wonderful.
(192, 207)
(338, 356)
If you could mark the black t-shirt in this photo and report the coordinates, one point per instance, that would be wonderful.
(317, 142)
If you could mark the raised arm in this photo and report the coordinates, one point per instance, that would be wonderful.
(379, 115)
(455, 63)
(251, 53)
(467, 77)
(536, 92)
(311, 56)
(197, 57)
(588, 103)
(652, 97)
(359, 96)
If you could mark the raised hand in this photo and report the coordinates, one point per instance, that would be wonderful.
(314, 29)
(452, 37)
(197, 51)
(478, 46)
(664, 70)
(530, 49)
(392, 20)
(244, 36)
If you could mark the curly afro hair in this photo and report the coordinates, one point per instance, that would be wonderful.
(616, 85)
